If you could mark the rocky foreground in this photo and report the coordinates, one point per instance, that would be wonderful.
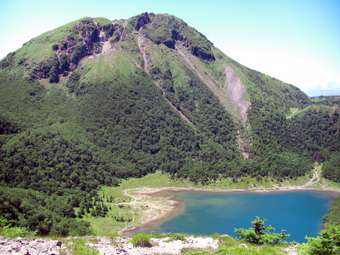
(105, 246)
(22, 246)
(159, 246)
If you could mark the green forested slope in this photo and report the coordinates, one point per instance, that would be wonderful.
(95, 101)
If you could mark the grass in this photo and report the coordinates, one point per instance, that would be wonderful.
(292, 112)
(12, 232)
(79, 247)
(106, 68)
(331, 184)
(141, 240)
(165, 59)
(295, 112)
(230, 246)
(102, 21)
(247, 250)
(111, 224)
(333, 215)
(40, 48)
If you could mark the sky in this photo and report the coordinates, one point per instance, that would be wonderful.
(296, 41)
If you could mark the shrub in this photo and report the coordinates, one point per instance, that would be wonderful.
(79, 247)
(177, 236)
(333, 215)
(37, 211)
(327, 243)
(331, 169)
(12, 232)
(141, 240)
(7, 231)
(261, 234)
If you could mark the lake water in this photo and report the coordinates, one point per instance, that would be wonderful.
(300, 213)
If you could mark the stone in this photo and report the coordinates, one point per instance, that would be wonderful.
(170, 44)
(176, 35)
(142, 20)
(22, 246)
(202, 54)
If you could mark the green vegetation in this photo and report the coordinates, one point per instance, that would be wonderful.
(326, 100)
(36, 211)
(79, 247)
(261, 234)
(7, 231)
(230, 246)
(106, 121)
(122, 216)
(141, 240)
(44, 160)
(39, 49)
(331, 168)
(333, 216)
(237, 250)
(327, 243)
(166, 29)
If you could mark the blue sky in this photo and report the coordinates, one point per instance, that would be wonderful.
(297, 41)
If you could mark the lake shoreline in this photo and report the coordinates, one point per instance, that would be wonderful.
(167, 195)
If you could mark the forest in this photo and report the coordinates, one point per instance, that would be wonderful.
(70, 124)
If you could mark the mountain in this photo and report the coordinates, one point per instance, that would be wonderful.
(96, 100)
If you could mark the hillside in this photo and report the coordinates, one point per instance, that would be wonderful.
(95, 101)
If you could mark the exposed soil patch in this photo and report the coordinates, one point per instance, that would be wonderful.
(236, 92)
(141, 40)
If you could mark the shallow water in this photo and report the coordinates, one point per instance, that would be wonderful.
(300, 213)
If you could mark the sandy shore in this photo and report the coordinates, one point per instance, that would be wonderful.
(153, 206)
(156, 205)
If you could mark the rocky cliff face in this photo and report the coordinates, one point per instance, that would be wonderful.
(87, 39)
(168, 30)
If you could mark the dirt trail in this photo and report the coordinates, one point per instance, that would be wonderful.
(142, 45)
(316, 176)
(291, 250)
(107, 48)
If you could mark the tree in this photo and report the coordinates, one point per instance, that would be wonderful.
(259, 226)
(261, 234)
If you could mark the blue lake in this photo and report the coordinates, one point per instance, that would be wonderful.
(300, 213)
